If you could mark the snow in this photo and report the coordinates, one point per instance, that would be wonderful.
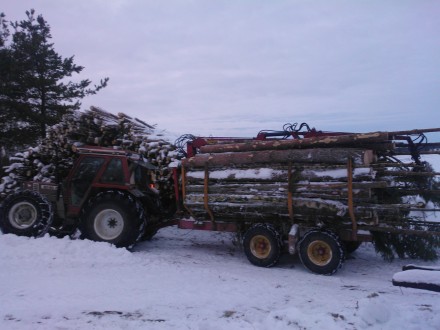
(413, 266)
(259, 173)
(339, 173)
(433, 159)
(432, 216)
(269, 173)
(418, 276)
(13, 166)
(184, 279)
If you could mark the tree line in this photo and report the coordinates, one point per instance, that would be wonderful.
(36, 89)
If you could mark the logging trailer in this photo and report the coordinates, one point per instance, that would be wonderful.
(320, 194)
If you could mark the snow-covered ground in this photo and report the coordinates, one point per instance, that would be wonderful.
(185, 279)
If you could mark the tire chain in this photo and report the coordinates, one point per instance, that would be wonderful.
(45, 209)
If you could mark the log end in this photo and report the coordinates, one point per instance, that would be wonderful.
(369, 157)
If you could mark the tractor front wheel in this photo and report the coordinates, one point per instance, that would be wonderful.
(113, 217)
(26, 213)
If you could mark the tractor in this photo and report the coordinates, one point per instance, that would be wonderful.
(109, 195)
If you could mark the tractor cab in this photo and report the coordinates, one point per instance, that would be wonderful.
(99, 169)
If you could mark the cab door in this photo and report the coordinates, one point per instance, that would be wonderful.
(80, 180)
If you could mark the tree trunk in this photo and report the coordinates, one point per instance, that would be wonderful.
(296, 156)
(352, 140)
(43, 114)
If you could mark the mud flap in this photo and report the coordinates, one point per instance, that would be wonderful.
(293, 239)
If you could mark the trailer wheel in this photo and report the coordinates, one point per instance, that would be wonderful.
(262, 245)
(321, 252)
(26, 213)
(351, 246)
(113, 217)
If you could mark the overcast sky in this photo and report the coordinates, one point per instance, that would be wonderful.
(232, 68)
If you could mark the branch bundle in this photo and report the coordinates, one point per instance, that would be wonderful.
(51, 159)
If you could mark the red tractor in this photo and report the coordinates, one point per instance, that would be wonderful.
(108, 194)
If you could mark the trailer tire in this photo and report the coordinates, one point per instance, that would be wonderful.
(262, 245)
(321, 252)
(26, 213)
(113, 217)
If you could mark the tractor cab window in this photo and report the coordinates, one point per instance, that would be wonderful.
(114, 173)
(83, 177)
(140, 176)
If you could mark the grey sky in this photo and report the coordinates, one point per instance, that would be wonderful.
(230, 68)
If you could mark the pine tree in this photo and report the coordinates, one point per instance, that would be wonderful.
(4, 31)
(8, 121)
(35, 91)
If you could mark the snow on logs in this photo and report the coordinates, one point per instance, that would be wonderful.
(94, 127)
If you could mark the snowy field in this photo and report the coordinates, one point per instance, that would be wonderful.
(185, 279)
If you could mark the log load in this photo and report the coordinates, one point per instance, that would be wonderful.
(347, 181)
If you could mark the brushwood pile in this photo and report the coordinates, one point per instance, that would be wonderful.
(53, 157)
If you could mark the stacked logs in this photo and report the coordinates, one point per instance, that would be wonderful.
(329, 180)
(52, 159)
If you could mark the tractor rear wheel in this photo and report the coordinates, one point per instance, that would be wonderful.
(321, 252)
(26, 213)
(113, 217)
(262, 245)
